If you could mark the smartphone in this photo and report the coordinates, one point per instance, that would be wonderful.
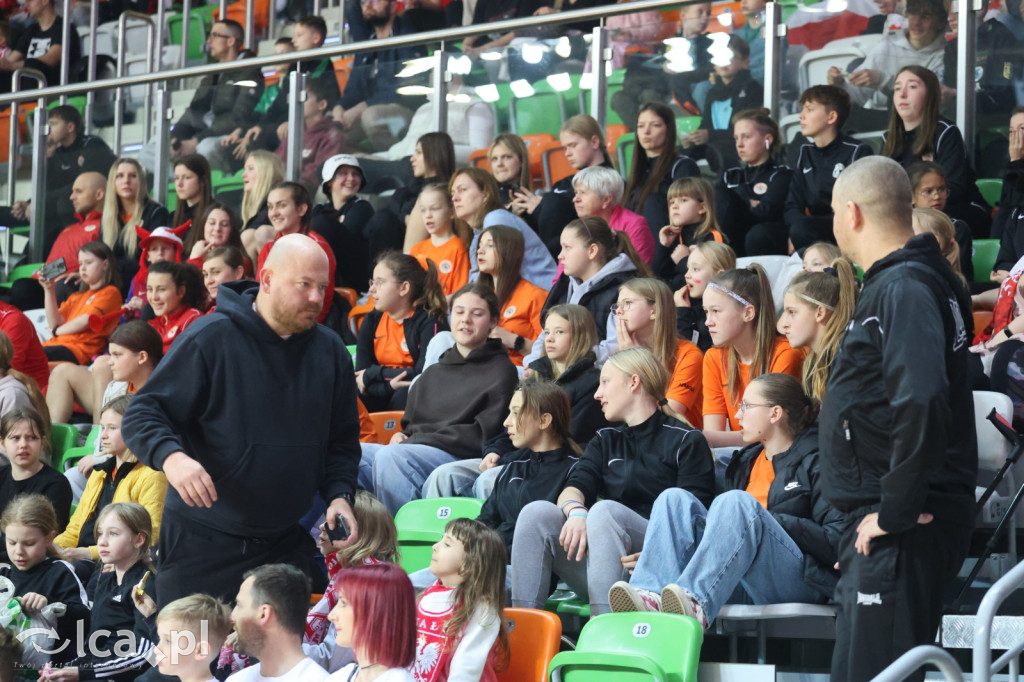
(341, 530)
(51, 270)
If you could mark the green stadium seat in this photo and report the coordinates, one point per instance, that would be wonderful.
(991, 189)
(984, 257)
(421, 523)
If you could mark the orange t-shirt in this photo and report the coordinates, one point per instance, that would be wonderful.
(761, 476)
(87, 343)
(687, 380)
(367, 430)
(785, 360)
(389, 345)
(520, 314)
(451, 259)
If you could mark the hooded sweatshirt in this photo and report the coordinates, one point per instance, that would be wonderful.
(459, 421)
(269, 437)
(897, 423)
(888, 57)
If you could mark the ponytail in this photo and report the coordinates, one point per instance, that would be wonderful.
(836, 289)
(425, 289)
(783, 390)
(642, 363)
(752, 286)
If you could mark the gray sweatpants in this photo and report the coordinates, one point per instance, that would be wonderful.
(613, 531)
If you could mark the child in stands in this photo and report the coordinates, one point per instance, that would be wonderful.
(162, 244)
(40, 577)
(73, 340)
(461, 631)
(448, 243)
(691, 214)
(499, 258)
(819, 256)
(742, 323)
(409, 310)
(177, 296)
(221, 264)
(221, 227)
(643, 317)
(818, 306)
(26, 435)
(706, 260)
(201, 615)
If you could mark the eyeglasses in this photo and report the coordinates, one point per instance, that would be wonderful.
(626, 304)
(225, 36)
(378, 283)
(744, 406)
(933, 191)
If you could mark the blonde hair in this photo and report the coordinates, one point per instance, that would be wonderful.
(269, 172)
(751, 284)
(587, 127)
(828, 250)
(378, 538)
(703, 191)
(659, 295)
(138, 522)
(483, 573)
(838, 291)
(582, 332)
(720, 257)
(119, 405)
(126, 234)
(941, 225)
(194, 610)
(35, 511)
(642, 363)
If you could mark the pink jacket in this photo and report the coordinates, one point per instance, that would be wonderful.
(636, 228)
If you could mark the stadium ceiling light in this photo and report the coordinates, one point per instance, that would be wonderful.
(491, 56)
(461, 65)
(416, 66)
(559, 81)
(725, 18)
(521, 88)
(533, 53)
(587, 81)
(563, 48)
(488, 92)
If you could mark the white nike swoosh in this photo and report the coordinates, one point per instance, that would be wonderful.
(807, 170)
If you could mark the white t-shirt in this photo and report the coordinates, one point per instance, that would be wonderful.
(305, 670)
(391, 675)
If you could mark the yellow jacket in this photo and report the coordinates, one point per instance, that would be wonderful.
(142, 485)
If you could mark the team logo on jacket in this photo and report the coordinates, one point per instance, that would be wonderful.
(837, 170)
(89, 300)
(172, 332)
(404, 346)
(760, 188)
(445, 266)
(90, 228)
(510, 311)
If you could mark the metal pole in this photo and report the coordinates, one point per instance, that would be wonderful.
(65, 53)
(774, 31)
(147, 116)
(965, 85)
(341, 21)
(37, 230)
(12, 158)
(599, 56)
(296, 96)
(90, 97)
(222, 13)
(160, 39)
(163, 137)
(317, 7)
(250, 23)
(441, 79)
(122, 27)
(271, 33)
(186, 25)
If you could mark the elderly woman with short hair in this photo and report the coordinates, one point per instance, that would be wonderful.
(598, 193)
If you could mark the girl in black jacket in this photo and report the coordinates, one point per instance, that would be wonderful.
(773, 534)
(409, 310)
(627, 467)
(538, 426)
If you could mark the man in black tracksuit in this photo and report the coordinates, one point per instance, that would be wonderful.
(823, 112)
(899, 456)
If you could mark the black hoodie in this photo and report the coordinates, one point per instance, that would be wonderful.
(897, 424)
(56, 580)
(272, 420)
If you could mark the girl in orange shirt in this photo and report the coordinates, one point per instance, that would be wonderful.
(499, 257)
(409, 310)
(645, 316)
(73, 340)
(448, 244)
(741, 320)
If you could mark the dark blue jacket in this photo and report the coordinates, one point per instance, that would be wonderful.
(374, 78)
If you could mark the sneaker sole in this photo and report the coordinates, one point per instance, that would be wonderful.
(621, 600)
(673, 600)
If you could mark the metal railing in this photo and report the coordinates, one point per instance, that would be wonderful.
(599, 54)
(122, 67)
(904, 666)
(982, 667)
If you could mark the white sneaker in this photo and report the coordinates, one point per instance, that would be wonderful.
(623, 598)
(675, 599)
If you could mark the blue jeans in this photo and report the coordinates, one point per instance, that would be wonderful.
(396, 473)
(709, 553)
